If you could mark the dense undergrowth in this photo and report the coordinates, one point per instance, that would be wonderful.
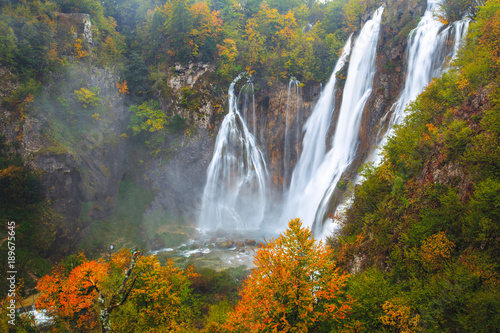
(423, 228)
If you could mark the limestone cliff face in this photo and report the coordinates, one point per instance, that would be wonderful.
(177, 174)
(84, 155)
(78, 152)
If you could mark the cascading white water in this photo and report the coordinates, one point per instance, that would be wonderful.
(248, 93)
(293, 91)
(426, 59)
(460, 28)
(316, 181)
(234, 197)
(314, 142)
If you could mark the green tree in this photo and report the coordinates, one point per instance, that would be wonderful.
(455, 10)
(147, 117)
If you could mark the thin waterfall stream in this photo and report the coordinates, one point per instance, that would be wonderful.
(426, 60)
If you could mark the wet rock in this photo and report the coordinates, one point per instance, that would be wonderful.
(226, 244)
(239, 244)
(250, 242)
(157, 243)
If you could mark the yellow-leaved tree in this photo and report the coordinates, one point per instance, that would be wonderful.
(295, 287)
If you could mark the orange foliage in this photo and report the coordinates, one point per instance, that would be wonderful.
(435, 250)
(10, 172)
(52, 54)
(122, 87)
(491, 37)
(70, 293)
(71, 297)
(400, 317)
(294, 288)
(79, 51)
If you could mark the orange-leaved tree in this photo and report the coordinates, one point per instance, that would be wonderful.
(295, 287)
(76, 288)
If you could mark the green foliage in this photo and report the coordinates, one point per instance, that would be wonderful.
(189, 99)
(136, 74)
(147, 117)
(372, 288)
(284, 6)
(355, 10)
(9, 41)
(422, 224)
(161, 299)
(455, 10)
(177, 124)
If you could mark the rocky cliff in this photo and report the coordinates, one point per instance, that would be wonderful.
(78, 151)
(83, 152)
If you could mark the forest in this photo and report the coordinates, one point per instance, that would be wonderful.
(417, 250)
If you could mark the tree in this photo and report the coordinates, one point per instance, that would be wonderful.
(161, 299)
(295, 287)
(207, 26)
(454, 10)
(354, 11)
(147, 117)
(74, 288)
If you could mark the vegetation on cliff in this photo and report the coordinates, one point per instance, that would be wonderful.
(422, 231)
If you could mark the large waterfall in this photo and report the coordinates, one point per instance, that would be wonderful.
(314, 142)
(316, 174)
(426, 59)
(235, 193)
(234, 197)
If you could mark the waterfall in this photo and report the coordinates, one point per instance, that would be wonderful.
(234, 197)
(291, 143)
(426, 59)
(313, 182)
(314, 142)
(248, 90)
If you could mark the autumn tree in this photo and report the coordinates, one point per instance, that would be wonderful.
(161, 299)
(76, 288)
(207, 27)
(295, 287)
(354, 11)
